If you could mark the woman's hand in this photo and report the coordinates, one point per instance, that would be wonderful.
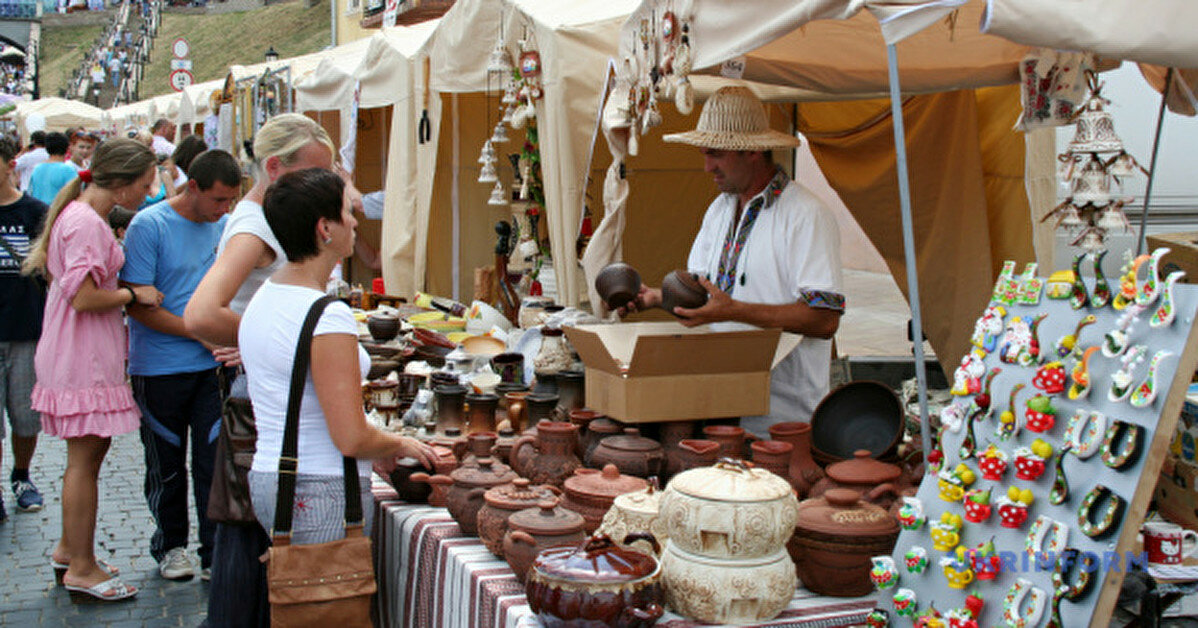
(412, 448)
(147, 295)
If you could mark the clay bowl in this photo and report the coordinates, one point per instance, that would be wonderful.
(383, 328)
(382, 351)
(681, 289)
(381, 368)
(857, 415)
(617, 284)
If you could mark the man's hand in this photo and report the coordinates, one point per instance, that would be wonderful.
(227, 356)
(646, 298)
(719, 307)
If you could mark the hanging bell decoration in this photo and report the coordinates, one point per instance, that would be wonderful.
(500, 134)
(1070, 218)
(488, 153)
(487, 174)
(498, 194)
(498, 61)
(509, 94)
(1093, 186)
(1112, 218)
(1095, 131)
(507, 115)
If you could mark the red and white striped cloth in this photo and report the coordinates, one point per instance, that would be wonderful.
(430, 574)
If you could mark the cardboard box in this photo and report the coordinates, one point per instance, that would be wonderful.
(1183, 254)
(1176, 492)
(643, 372)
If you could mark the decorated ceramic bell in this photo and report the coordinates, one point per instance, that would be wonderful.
(1095, 132)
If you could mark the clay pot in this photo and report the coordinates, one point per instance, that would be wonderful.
(730, 437)
(442, 378)
(545, 383)
(670, 434)
(477, 445)
(534, 529)
(590, 493)
(693, 453)
(597, 430)
(451, 407)
(835, 537)
(541, 407)
(635, 512)
(517, 412)
(878, 482)
(406, 488)
(571, 390)
(383, 327)
(729, 511)
(503, 445)
(380, 368)
(632, 454)
(481, 414)
(582, 417)
(773, 456)
(501, 502)
(552, 458)
(465, 497)
(381, 350)
(681, 289)
(617, 284)
(598, 583)
(858, 415)
(732, 591)
(444, 464)
(803, 471)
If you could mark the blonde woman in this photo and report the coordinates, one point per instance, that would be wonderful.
(249, 254)
(81, 390)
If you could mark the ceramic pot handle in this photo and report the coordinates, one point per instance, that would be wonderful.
(459, 447)
(514, 456)
(648, 613)
(882, 489)
(732, 464)
(632, 537)
(476, 493)
(520, 536)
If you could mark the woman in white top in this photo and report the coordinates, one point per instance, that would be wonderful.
(313, 222)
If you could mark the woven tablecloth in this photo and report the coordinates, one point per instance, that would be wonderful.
(430, 574)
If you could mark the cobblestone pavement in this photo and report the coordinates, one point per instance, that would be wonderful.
(28, 596)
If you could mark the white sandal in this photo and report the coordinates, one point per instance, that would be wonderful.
(60, 569)
(99, 592)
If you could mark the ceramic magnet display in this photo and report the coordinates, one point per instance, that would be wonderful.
(1060, 485)
(1040, 416)
(1066, 345)
(1021, 344)
(967, 379)
(977, 505)
(1122, 381)
(1084, 433)
(985, 560)
(1100, 512)
(1165, 312)
(1013, 507)
(946, 532)
(884, 574)
(993, 463)
(1029, 286)
(1050, 378)
(916, 560)
(952, 484)
(910, 514)
(957, 571)
(988, 328)
(1151, 288)
(1122, 444)
(960, 618)
(1023, 604)
(1081, 376)
(1030, 460)
(1145, 393)
(1046, 537)
(905, 603)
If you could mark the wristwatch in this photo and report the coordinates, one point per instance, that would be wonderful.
(132, 295)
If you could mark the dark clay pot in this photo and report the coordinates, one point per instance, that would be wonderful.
(469, 484)
(502, 502)
(597, 584)
(382, 327)
(551, 456)
(681, 289)
(631, 453)
(534, 529)
(617, 284)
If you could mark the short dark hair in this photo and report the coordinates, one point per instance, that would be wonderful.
(8, 149)
(38, 138)
(120, 217)
(160, 123)
(215, 165)
(296, 202)
(187, 150)
(57, 143)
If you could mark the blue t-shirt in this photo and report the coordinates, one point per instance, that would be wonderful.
(48, 178)
(171, 253)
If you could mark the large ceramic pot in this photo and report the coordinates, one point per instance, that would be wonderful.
(693, 453)
(879, 483)
(597, 584)
(803, 471)
(534, 529)
(857, 415)
(502, 502)
(469, 484)
(406, 488)
(383, 327)
(726, 590)
(590, 493)
(598, 429)
(632, 454)
(550, 458)
(729, 511)
(834, 539)
(635, 512)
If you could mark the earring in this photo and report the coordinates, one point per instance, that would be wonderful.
(327, 240)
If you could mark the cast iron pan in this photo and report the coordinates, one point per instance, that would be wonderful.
(858, 415)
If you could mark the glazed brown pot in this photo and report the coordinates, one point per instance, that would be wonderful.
(617, 284)
(803, 470)
(534, 529)
(590, 493)
(465, 497)
(380, 368)
(597, 430)
(597, 583)
(681, 289)
(694, 453)
(501, 502)
(406, 488)
(835, 537)
(730, 437)
(632, 454)
(878, 482)
(773, 456)
(552, 458)
(383, 327)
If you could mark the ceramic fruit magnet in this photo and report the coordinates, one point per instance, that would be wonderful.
(982, 400)
(905, 603)
(1166, 310)
(884, 573)
(1081, 376)
(1030, 460)
(1123, 380)
(1021, 345)
(957, 570)
(977, 505)
(877, 618)
(1050, 378)
(985, 560)
(1013, 507)
(1040, 416)
(959, 618)
(1145, 393)
(1029, 286)
(946, 532)
(1067, 344)
(916, 560)
(988, 329)
(910, 514)
(967, 380)
(952, 484)
(929, 618)
(1060, 285)
(993, 463)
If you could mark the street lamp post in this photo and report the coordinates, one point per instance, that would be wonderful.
(271, 55)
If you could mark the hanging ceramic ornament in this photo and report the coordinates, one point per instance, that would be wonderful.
(1112, 218)
(684, 93)
(498, 61)
(500, 134)
(487, 174)
(509, 94)
(530, 71)
(488, 153)
(507, 115)
(498, 194)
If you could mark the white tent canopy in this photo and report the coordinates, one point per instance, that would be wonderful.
(60, 114)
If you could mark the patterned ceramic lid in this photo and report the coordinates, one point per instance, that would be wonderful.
(731, 481)
(547, 519)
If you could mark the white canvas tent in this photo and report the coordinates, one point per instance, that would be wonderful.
(59, 114)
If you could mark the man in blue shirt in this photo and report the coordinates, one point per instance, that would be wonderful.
(52, 175)
(171, 245)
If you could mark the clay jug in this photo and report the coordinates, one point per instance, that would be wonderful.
(730, 437)
(694, 453)
(481, 414)
(804, 471)
(552, 458)
(517, 410)
(773, 456)
(478, 445)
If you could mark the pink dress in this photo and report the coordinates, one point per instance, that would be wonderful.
(81, 388)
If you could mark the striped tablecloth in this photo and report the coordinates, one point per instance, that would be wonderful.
(430, 574)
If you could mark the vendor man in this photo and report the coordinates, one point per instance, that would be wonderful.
(768, 251)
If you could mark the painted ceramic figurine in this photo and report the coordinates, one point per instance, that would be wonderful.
(988, 328)
(967, 380)
(1081, 376)
(1021, 344)
(1166, 310)
(1127, 282)
(1066, 345)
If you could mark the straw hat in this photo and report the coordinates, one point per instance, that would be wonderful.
(734, 119)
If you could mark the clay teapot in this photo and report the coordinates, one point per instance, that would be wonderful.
(879, 482)
(534, 529)
(632, 454)
(591, 493)
(444, 464)
(598, 583)
(552, 458)
(835, 536)
(502, 502)
(598, 429)
(469, 484)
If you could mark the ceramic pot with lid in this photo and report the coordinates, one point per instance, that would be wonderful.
(732, 591)
(582, 417)
(835, 537)
(597, 430)
(635, 512)
(500, 502)
(469, 484)
(598, 583)
(550, 455)
(534, 529)
(444, 464)
(591, 493)
(729, 511)
(632, 454)
(879, 482)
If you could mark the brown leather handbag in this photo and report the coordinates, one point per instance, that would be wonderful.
(229, 497)
(323, 584)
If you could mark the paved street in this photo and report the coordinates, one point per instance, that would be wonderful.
(28, 596)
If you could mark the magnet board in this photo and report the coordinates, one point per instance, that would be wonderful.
(1133, 483)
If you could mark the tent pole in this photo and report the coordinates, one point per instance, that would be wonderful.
(900, 149)
(1141, 243)
(455, 204)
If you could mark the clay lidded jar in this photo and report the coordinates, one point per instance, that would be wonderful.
(465, 497)
(591, 492)
(451, 407)
(877, 481)
(730, 437)
(478, 445)
(804, 471)
(835, 536)
(597, 430)
(481, 414)
(500, 502)
(773, 456)
(541, 407)
(693, 452)
(599, 583)
(552, 458)
(444, 464)
(632, 454)
(534, 529)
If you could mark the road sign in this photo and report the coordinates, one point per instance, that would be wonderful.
(181, 79)
(180, 48)
(180, 64)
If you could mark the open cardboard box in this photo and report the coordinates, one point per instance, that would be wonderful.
(1183, 253)
(644, 372)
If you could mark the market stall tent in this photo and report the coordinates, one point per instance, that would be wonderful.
(59, 114)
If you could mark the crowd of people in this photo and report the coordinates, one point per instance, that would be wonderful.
(12, 78)
(122, 254)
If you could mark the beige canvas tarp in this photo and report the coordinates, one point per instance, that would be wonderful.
(60, 114)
